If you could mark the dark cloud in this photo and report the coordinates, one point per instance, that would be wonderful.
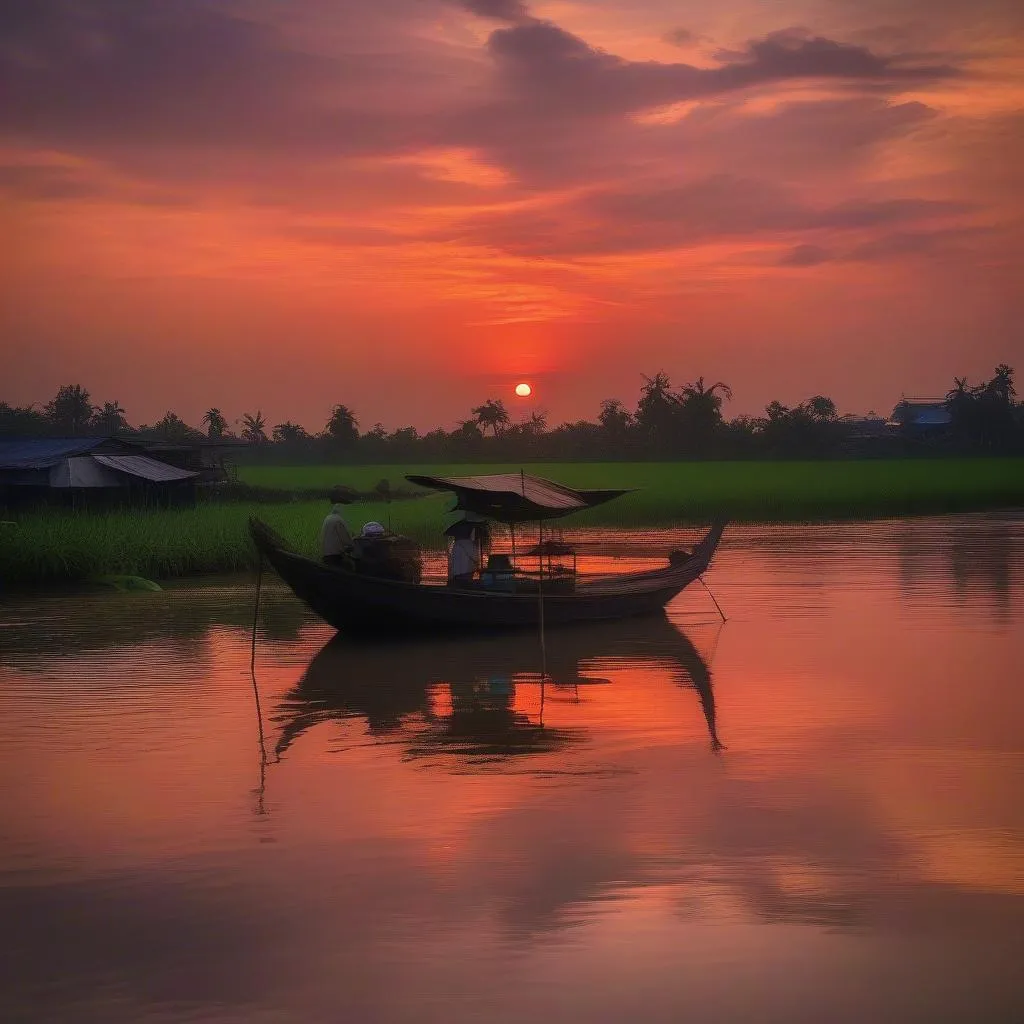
(99, 73)
(805, 256)
(680, 37)
(161, 83)
(887, 246)
(498, 10)
(899, 244)
(795, 53)
(541, 59)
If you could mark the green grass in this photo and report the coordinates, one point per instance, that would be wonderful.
(674, 491)
(54, 545)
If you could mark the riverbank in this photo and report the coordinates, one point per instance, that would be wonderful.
(55, 546)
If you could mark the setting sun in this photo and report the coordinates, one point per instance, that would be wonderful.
(524, 390)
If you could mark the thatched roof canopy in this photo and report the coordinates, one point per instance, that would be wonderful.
(515, 497)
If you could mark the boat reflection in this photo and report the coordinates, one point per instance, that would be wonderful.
(481, 698)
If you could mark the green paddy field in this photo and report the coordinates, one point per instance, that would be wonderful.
(54, 546)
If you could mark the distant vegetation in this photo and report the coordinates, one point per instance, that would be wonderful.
(55, 545)
(668, 422)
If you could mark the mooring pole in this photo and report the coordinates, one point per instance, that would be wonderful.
(713, 598)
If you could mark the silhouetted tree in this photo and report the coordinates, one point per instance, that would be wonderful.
(70, 410)
(656, 411)
(342, 430)
(811, 428)
(536, 424)
(615, 419)
(109, 419)
(402, 443)
(822, 409)
(23, 421)
(699, 414)
(1000, 387)
(492, 414)
(291, 434)
(984, 417)
(254, 428)
(172, 428)
(215, 422)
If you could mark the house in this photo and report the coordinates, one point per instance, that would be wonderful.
(206, 457)
(100, 468)
(923, 419)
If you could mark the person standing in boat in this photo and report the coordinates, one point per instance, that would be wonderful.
(335, 537)
(469, 537)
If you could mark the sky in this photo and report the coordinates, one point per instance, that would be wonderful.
(412, 205)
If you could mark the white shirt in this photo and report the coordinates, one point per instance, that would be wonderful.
(334, 535)
(462, 559)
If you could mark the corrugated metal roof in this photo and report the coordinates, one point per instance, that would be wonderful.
(83, 471)
(145, 467)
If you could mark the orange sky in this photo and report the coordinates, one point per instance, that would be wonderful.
(408, 206)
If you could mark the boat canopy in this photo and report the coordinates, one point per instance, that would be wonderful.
(515, 497)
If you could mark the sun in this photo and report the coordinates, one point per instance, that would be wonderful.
(524, 390)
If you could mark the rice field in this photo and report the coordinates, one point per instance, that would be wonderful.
(669, 492)
(57, 546)
(54, 546)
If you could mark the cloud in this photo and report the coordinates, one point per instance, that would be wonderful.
(498, 10)
(185, 90)
(796, 53)
(680, 37)
(105, 73)
(540, 59)
(658, 217)
(894, 245)
(805, 256)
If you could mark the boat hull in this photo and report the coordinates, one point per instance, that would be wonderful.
(356, 603)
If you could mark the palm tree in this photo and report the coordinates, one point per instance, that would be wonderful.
(708, 400)
(658, 408)
(343, 427)
(1001, 385)
(289, 433)
(536, 424)
(215, 422)
(492, 414)
(254, 428)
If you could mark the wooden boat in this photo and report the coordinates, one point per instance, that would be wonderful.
(355, 602)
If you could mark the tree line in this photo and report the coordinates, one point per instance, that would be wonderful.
(667, 422)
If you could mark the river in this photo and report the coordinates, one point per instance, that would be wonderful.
(812, 812)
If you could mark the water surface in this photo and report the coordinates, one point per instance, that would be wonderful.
(811, 813)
